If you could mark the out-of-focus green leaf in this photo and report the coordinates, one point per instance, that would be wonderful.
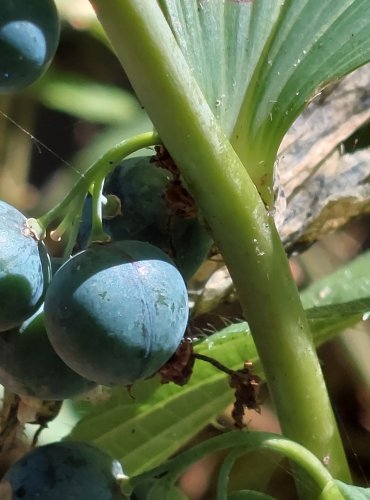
(144, 428)
(258, 62)
(350, 281)
(327, 321)
(86, 99)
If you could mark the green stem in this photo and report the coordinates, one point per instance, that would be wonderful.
(236, 215)
(244, 442)
(75, 208)
(73, 233)
(97, 233)
(225, 471)
(100, 169)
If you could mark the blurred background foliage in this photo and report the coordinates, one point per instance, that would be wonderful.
(80, 107)
(52, 132)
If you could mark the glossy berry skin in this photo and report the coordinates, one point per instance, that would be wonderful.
(65, 470)
(29, 365)
(116, 313)
(29, 35)
(146, 216)
(25, 270)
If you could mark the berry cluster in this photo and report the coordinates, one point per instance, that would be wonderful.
(112, 313)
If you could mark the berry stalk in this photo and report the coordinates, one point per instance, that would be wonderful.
(96, 172)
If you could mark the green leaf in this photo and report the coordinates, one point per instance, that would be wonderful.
(258, 62)
(327, 321)
(222, 43)
(312, 43)
(350, 281)
(144, 428)
(86, 99)
(353, 492)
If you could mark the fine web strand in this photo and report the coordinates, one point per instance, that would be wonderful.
(41, 145)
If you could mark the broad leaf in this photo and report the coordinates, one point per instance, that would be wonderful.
(258, 62)
(86, 99)
(144, 428)
(222, 42)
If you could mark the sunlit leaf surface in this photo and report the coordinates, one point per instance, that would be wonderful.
(145, 427)
(148, 427)
(258, 62)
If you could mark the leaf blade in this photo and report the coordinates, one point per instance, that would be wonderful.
(166, 417)
(258, 63)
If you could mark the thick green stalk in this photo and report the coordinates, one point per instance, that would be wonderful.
(239, 223)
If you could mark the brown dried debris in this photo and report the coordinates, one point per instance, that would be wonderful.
(179, 367)
(246, 393)
(177, 197)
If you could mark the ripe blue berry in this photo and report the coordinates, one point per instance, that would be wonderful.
(29, 35)
(116, 313)
(66, 470)
(29, 365)
(146, 215)
(25, 270)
